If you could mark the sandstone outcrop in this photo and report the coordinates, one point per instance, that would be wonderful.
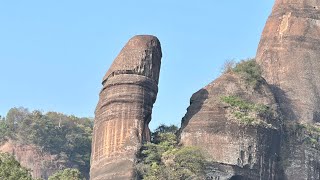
(289, 53)
(124, 109)
(239, 146)
(42, 164)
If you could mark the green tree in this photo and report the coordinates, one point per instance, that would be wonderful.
(67, 174)
(189, 161)
(250, 71)
(15, 116)
(10, 169)
(163, 158)
(4, 129)
(155, 136)
(68, 137)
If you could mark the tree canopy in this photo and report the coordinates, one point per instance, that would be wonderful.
(69, 137)
(11, 169)
(163, 158)
(67, 174)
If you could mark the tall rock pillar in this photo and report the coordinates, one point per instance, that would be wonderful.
(124, 109)
(289, 53)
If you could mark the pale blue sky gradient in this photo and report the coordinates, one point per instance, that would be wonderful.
(54, 53)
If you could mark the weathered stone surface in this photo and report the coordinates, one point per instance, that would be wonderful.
(42, 164)
(289, 53)
(300, 153)
(124, 109)
(237, 150)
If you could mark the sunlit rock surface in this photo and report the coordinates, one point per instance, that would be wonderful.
(234, 148)
(289, 54)
(124, 109)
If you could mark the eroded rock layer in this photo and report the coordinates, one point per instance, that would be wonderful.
(289, 54)
(124, 109)
(236, 147)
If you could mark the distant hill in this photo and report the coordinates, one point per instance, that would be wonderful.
(47, 143)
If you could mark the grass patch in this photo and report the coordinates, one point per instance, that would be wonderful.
(246, 112)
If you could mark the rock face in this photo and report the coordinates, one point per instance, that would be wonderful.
(41, 164)
(237, 149)
(124, 109)
(289, 54)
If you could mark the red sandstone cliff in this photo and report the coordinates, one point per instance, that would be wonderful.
(289, 53)
(124, 109)
(42, 164)
(235, 147)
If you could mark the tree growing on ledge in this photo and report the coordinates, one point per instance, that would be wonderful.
(163, 158)
(248, 69)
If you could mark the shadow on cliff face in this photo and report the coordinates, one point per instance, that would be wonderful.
(288, 115)
(196, 102)
(285, 104)
(237, 177)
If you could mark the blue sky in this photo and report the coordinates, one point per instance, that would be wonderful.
(54, 53)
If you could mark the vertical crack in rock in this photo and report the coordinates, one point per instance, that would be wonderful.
(289, 53)
(124, 109)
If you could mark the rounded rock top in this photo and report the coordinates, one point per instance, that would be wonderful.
(141, 56)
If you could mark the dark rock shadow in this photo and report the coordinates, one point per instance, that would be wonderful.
(316, 117)
(238, 177)
(196, 103)
(285, 104)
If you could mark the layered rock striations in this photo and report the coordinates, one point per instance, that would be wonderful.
(289, 54)
(124, 109)
(240, 142)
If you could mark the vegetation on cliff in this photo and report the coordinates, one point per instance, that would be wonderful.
(249, 70)
(306, 133)
(247, 112)
(11, 169)
(68, 137)
(163, 158)
(67, 174)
